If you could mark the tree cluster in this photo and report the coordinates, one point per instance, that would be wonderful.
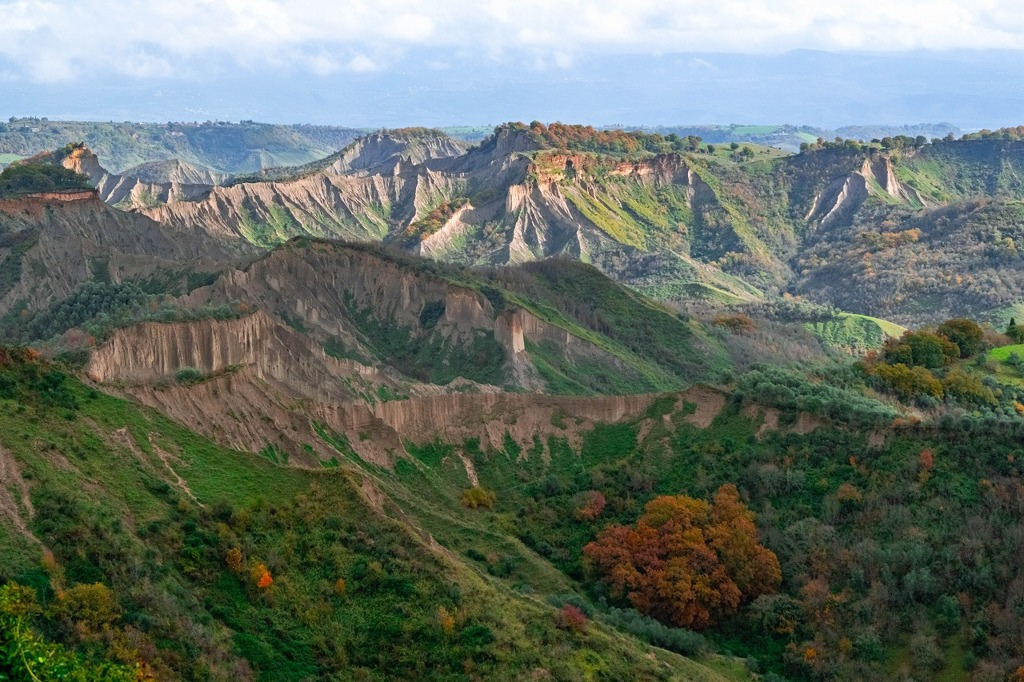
(613, 141)
(919, 364)
(24, 178)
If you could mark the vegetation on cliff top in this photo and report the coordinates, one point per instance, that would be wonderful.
(26, 178)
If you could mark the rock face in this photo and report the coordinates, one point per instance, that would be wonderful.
(841, 199)
(384, 151)
(142, 187)
(260, 369)
(268, 385)
(53, 245)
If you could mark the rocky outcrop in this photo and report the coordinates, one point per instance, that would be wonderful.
(55, 246)
(839, 200)
(385, 150)
(844, 196)
(879, 168)
(130, 191)
(62, 195)
(175, 171)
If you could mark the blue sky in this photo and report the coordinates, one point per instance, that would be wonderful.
(397, 62)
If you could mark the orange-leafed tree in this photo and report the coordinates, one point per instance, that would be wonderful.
(261, 576)
(686, 562)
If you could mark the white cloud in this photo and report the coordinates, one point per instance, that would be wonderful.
(361, 63)
(54, 41)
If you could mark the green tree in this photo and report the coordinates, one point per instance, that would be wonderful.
(921, 349)
(1015, 332)
(25, 656)
(967, 335)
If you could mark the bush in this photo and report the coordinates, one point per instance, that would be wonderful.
(908, 382)
(188, 375)
(477, 497)
(571, 599)
(571, 618)
(679, 640)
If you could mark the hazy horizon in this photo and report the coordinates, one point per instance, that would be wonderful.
(398, 63)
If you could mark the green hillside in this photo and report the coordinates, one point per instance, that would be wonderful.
(182, 532)
(856, 333)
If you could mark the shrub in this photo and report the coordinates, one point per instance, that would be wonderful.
(737, 324)
(92, 606)
(188, 375)
(572, 599)
(477, 497)
(24, 655)
(571, 618)
(967, 388)
(233, 558)
(679, 640)
(261, 576)
(908, 382)
(592, 505)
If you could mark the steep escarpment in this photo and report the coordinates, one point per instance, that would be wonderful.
(175, 171)
(49, 247)
(255, 382)
(435, 323)
(839, 201)
(322, 204)
(384, 150)
(247, 382)
(357, 327)
(142, 187)
(381, 151)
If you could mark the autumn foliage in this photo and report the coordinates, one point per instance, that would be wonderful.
(261, 576)
(571, 618)
(592, 506)
(686, 563)
(233, 558)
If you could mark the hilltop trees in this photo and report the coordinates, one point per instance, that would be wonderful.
(686, 562)
(916, 366)
(921, 349)
(39, 177)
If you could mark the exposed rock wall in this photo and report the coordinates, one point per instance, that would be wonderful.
(73, 238)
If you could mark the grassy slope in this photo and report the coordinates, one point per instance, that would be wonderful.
(997, 367)
(855, 332)
(800, 486)
(111, 511)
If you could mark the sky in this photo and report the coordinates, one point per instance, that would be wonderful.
(363, 62)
